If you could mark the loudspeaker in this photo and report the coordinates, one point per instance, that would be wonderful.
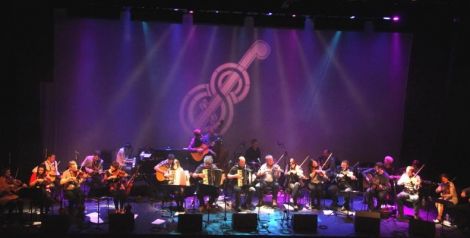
(121, 222)
(367, 223)
(304, 223)
(419, 228)
(189, 222)
(55, 224)
(244, 221)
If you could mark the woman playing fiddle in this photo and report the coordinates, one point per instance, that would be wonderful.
(115, 178)
(40, 183)
(316, 178)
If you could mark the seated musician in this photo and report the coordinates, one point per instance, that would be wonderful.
(51, 167)
(268, 175)
(411, 183)
(40, 182)
(294, 181)
(379, 186)
(315, 183)
(178, 177)
(71, 180)
(204, 189)
(93, 166)
(343, 182)
(162, 169)
(461, 211)
(328, 160)
(115, 179)
(9, 192)
(447, 196)
(241, 174)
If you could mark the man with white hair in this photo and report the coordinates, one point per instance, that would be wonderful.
(243, 177)
(268, 175)
(202, 172)
(411, 183)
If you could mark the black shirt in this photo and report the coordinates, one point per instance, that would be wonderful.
(252, 155)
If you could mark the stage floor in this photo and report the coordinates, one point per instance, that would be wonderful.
(153, 219)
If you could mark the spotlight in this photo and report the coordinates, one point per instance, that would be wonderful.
(191, 11)
(396, 18)
(386, 18)
(293, 15)
(269, 14)
(352, 17)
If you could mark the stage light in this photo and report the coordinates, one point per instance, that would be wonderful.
(293, 15)
(352, 17)
(191, 11)
(176, 9)
(396, 18)
(386, 18)
(269, 14)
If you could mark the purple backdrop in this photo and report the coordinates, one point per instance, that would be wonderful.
(119, 81)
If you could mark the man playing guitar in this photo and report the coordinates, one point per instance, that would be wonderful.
(197, 147)
(162, 169)
(379, 186)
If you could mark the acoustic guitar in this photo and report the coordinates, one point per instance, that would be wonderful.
(198, 156)
(160, 176)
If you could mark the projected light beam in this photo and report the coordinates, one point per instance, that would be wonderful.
(210, 105)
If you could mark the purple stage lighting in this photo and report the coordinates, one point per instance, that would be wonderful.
(396, 18)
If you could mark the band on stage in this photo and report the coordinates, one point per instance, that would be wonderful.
(381, 184)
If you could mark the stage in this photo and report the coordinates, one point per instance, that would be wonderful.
(152, 219)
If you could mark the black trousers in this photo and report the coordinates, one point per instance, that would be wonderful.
(380, 196)
(119, 198)
(248, 190)
(207, 190)
(334, 191)
(316, 190)
(262, 187)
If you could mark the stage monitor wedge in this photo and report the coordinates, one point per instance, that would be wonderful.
(244, 221)
(304, 223)
(367, 223)
(189, 223)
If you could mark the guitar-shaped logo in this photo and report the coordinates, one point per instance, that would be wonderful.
(206, 105)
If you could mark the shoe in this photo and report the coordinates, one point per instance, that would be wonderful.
(296, 208)
(251, 207)
(202, 208)
(416, 217)
(274, 203)
(402, 218)
(237, 209)
(437, 221)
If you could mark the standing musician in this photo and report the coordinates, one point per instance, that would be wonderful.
(115, 179)
(198, 148)
(71, 180)
(379, 186)
(9, 192)
(315, 184)
(411, 183)
(41, 184)
(447, 196)
(253, 153)
(243, 177)
(179, 178)
(294, 181)
(343, 181)
(268, 175)
(206, 187)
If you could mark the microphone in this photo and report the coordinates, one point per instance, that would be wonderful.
(259, 161)
(76, 152)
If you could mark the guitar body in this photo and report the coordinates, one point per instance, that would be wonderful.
(198, 156)
(161, 176)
